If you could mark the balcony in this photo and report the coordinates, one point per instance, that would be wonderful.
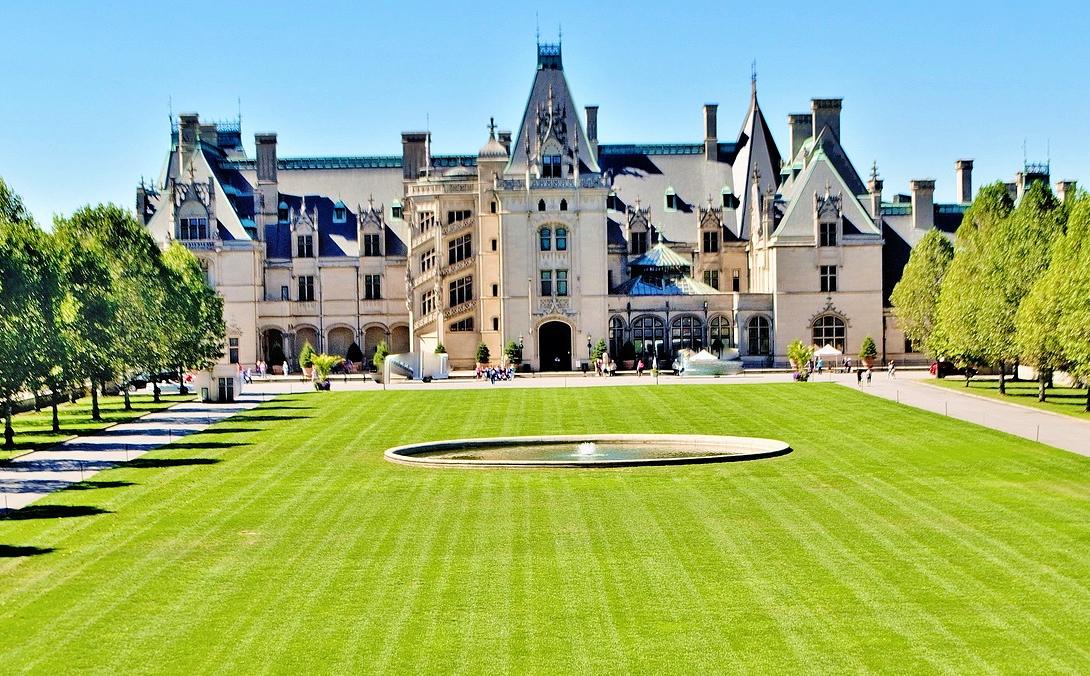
(459, 309)
(460, 265)
(586, 181)
(458, 226)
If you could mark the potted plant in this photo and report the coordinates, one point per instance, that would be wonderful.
(381, 351)
(628, 356)
(799, 355)
(512, 352)
(483, 354)
(323, 364)
(439, 349)
(868, 352)
(306, 359)
(599, 349)
(355, 355)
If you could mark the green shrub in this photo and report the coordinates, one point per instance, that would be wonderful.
(439, 349)
(323, 364)
(380, 355)
(483, 354)
(799, 353)
(306, 355)
(513, 352)
(354, 354)
(869, 350)
(599, 349)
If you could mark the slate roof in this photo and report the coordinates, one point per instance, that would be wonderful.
(681, 286)
(662, 257)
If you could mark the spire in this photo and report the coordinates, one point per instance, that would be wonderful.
(753, 78)
(491, 127)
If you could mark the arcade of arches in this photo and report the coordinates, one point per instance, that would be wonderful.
(276, 345)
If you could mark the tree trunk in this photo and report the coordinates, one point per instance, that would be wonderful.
(1002, 378)
(9, 432)
(1042, 380)
(1014, 377)
(1088, 397)
(182, 389)
(96, 414)
(53, 405)
(125, 393)
(155, 389)
(37, 402)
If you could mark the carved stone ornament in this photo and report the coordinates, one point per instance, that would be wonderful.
(552, 305)
(829, 309)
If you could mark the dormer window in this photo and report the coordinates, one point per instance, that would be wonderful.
(193, 228)
(827, 233)
(282, 212)
(551, 166)
(340, 213)
(671, 200)
(396, 212)
(613, 202)
(304, 246)
(728, 198)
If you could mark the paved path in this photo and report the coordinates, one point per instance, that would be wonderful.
(29, 477)
(1054, 429)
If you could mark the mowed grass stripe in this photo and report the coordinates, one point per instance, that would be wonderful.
(889, 537)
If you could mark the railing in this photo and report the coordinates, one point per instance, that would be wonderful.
(460, 265)
(441, 187)
(585, 181)
(424, 321)
(458, 226)
(199, 244)
(459, 309)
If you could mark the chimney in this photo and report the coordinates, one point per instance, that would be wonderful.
(1065, 190)
(592, 128)
(964, 173)
(923, 204)
(711, 140)
(505, 141)
(826, 113)
(801, 126)
(413, 153)
(267, 189)
(188, 130)
(875, 188)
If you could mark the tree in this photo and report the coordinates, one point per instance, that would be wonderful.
(1073, 276)
(799, 354)
(868, 351)
(306, 355)
(354, 354)
(483, 354)
(1036, 336)
(323, 365)
(381, 352)
(916, 296)
(599, 349)
(194, 327)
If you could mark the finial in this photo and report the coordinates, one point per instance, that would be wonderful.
(559, 33)
(874, 171)
(753, 76)
(492, 127)
(537, 29)
(371, 201)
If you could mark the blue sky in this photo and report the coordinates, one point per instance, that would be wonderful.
(87, 84)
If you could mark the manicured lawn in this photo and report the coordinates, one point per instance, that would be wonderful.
(889, 539)
(1068, 400)
(34, 430)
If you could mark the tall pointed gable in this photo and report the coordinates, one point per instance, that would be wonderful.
(551, 115)
(756, 150)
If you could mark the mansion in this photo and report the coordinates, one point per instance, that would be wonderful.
(548, 237)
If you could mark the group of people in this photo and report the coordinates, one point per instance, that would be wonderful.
(602, 367)
(494, 373)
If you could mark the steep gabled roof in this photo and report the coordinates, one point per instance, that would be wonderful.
(755, 149)
(821, 174)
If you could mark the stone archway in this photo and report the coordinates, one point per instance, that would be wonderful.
(554, 346)
(303, 336)
(399, 340)
(340, 339)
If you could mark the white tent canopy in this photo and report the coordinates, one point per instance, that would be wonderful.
(828, 351)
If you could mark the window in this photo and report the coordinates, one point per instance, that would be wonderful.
(459, 249)
(371, 245)
(282, 212)
(827, 234)
(495, 290)
(760, 336)
(711, 278)
(671, 200)
(828, 278)
(427, 219)
(427, 260)
(613, 202)
(427, 302)
(340, 213)
(461, 291)
(193, 228)
(829, 330)
(561, 282)
(492, 207)
(462, 325)
(304, 246)
(563, 205)
(728, 199)
(459, 215)
(908, 345)
(397, 212)
(495, 245)
(372, 287)
(736, 280)
(495, 323)
(616, 336)
(686, 332)
(719, 329)
(639, 243)
(545, 235)
(284, 293)
(546, 282)
(541, 205)
(306, 288)
(550, 166)
(232, 344)
(561, 239)
(711, 241)
(648, 335)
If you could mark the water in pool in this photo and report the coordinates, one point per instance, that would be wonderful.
(587, 451)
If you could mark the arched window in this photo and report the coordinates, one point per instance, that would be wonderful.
(649, 335)
(563, 205)
(546, 237)
(719, 330)
(282, 212)
(686, 332)
(616, 336)
(760, 335)
(561, 239)
(541, 205)
(829, 330)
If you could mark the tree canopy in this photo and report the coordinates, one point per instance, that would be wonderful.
(916, 296)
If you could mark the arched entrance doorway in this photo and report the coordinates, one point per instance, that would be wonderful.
(554, 341)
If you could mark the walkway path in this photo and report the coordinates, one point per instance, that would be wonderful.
(1054, 429)
(29, 477)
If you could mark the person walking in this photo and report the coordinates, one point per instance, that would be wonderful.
(869, 371)
(859, 377)
(892, 371)
(285, 367)
(639, 368)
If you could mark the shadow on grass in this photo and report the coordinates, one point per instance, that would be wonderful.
(207, 445)
(270, 418)
(92, 485)
(230, 430)
(155, 463)
(51, 512)
(15, 552)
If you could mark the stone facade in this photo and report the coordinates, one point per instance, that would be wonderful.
(548, 237)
